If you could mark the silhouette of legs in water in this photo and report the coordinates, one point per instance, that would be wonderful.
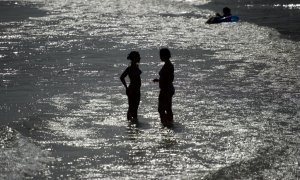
(133, 102)
(165, 107)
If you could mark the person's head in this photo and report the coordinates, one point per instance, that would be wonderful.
(226, 11)
(134, 57)
(165, 54)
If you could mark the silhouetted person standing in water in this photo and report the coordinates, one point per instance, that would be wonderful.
(166, 77)
(133, 90)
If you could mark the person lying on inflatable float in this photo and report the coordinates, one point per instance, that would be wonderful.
(227, 17)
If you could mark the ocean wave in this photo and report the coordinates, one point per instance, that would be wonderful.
(20, 157)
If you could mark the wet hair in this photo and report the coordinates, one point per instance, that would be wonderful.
(165, 52)
(226, 10)
(133, 55)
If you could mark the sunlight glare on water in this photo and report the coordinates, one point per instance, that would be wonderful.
(235, 106)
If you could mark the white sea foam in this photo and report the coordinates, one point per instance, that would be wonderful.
(289, 6)
(20, 157)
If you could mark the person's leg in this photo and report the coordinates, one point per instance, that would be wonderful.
(169, 112)
(135, 105)
(162, 107)
(130, 107)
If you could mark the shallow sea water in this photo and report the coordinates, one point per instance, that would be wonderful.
(63, 107)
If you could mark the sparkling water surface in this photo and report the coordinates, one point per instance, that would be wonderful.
(236, 106)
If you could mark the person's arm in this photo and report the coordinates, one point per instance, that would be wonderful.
(122, 78)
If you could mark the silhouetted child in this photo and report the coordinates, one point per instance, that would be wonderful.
(217, 18)
(226, 12)
(166, 77)
(133, 90)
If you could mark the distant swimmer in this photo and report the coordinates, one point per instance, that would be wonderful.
(226, 17)
(166, 78)
(226, 12)
(133, 90)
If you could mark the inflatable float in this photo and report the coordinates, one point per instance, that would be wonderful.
(215, 20)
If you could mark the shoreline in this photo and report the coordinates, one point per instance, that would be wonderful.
(284, 20)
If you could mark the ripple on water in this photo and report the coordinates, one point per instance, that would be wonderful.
(236, 108)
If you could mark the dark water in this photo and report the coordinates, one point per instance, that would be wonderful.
(282, 15)
(63, 107)
(25, 10)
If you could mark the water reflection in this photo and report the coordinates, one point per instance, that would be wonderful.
(168, 140)
(133, 131)
(235, 109)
